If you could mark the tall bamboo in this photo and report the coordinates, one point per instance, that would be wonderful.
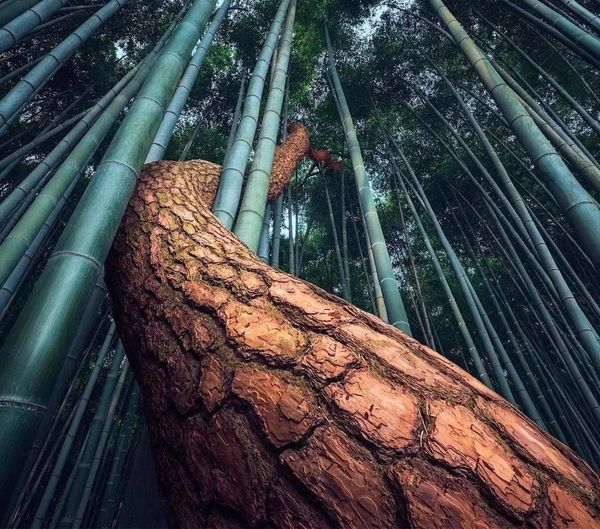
(98, 454)
(420, 305)
(235, 163)
(254, 201)
(82, 403)
(55, 194)
(523, 220)
(480, 369)
(11, 10)
(586, 40)
(585, 115)
(582, 12)
(464, 282)
(103, 411)
(345, 258)
(16, 29)
(31, 356)
(363, 263)
(379, 301)
(277, 220)
(57, 154)
(184, 88)
(264, 243)
(109, 506)
(13, 102)
(389, 286)
(336, 241)
(580, 209)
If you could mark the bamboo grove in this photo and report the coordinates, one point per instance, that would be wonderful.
(457, 200)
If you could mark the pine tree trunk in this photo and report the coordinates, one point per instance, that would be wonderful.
(274, 404)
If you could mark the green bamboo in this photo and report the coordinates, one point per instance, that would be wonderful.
(363, 263)
(39, 140)
(585, 115)
(277, 220)
(554, 32)
(291, 245)
(43, 451)
(68, 486)
(480, 369)
(582, 12)
(191, 139)
(420, 305)
(389, 286)
(182, 93)
(16, 29)
(32, 355)
(82, 403)
(11, 10)
(98, 454)
(523, 220)
(520, 389)
(264, 246)
(379, 301)
(345, 241)
(529, 97)
(108, 506)
(232, 177)
(13, 102)
(547, 323)
(96, 439)
(61, 150)
(580, 209)
(55, 194)
(336, 241)
(584, 39)
(254, 201)
(464, 282)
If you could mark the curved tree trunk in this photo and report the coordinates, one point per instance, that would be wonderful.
(274, 404)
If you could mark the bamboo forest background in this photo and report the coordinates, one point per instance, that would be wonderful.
(495, 271)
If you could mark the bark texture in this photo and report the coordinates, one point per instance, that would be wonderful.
(274, 404)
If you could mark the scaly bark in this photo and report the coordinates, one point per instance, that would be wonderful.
(274, 404)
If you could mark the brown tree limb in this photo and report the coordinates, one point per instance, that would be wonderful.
(274, 404)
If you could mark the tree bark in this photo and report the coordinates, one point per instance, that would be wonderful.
(273, 404)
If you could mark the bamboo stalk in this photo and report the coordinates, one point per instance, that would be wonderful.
(236, 160)
(32, 351)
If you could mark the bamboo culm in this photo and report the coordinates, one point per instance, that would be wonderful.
(389, 286)
(11, 201)
(336, 242)
(480, 369)
(16, 29)
(249, 222)
(13, 102)
(182, 93)
(463, 280)
(277, 220)
(32, 353)
(523, 220)
(236, 160)
(82, 403)
(11, 10)
(264, 243)
(95, 436)
(579, 207)
(108, 508)
(54, 195)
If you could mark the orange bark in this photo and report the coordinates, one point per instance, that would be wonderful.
(274, 404)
